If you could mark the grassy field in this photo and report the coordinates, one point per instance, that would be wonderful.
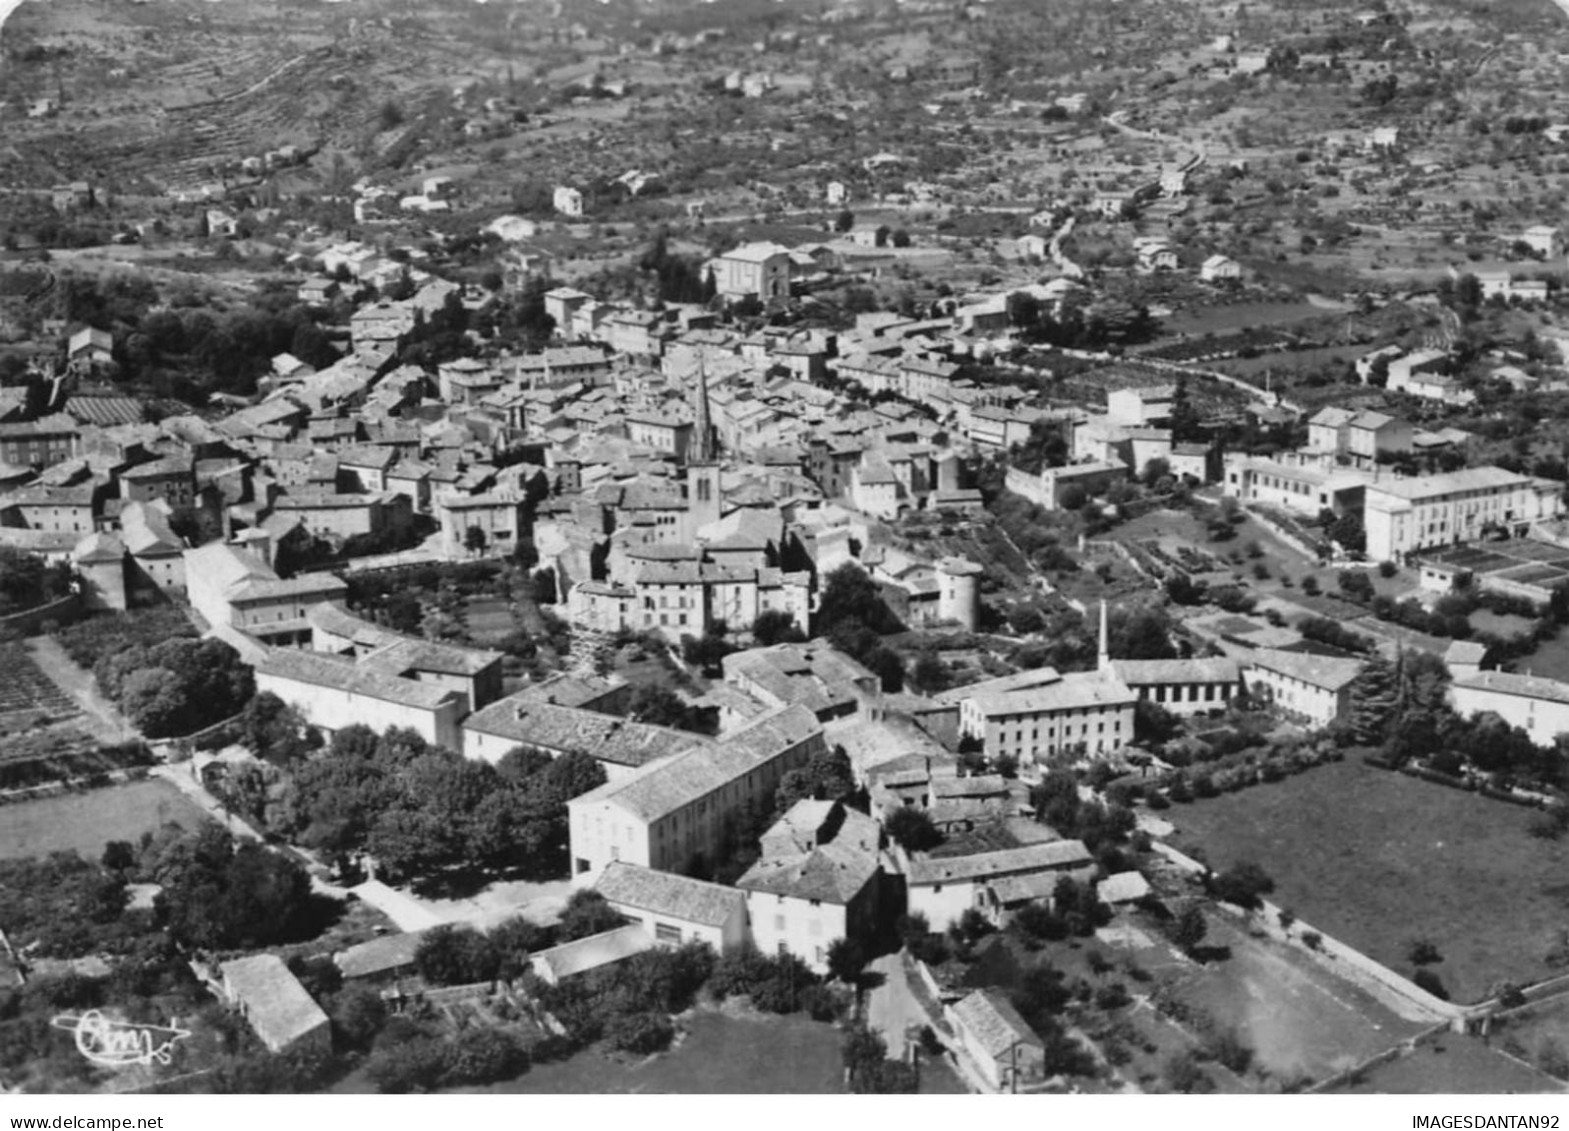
(85, 821)
(1454, 1066)
(720, 1055)
(1376, 859)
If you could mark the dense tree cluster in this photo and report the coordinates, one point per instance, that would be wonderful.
(27, 580)
(176, 686)
(217, 894)
(854, 618)
(420, 808)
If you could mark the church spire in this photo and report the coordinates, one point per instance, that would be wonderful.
(702, 446)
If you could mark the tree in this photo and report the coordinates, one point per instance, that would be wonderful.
(1373, 699)
(523, 762)
(775, 626)
(640, 1033)
(912, 829)
(455, 955)
(1188, 929)
(275, 731)
(217, 895)
(474, 540)
(1352, 536)
(1356, 584)
(1186, 424)
(119, 856)
(846, 960)
(849, 595)
(587, 913)
(1245, 884)
(358, 1014)
(844, 221)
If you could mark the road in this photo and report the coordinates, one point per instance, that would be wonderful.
(102, 716)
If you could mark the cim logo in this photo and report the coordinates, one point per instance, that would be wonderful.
(115, 1044)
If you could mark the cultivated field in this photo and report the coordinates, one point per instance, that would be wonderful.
(83, 822)
(1377, 859)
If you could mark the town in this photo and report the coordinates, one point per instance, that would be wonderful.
(931, 547)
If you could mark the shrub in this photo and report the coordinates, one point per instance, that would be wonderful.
(1227, 1047)
(1426, 979)
(1113, 996)
(640, 1033)
(1422, 952)
(1312, 940)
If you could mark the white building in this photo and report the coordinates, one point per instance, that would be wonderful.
(816, 883)
(757, 270)
(676, 811)
(1001, 1045)
(1219, 268)
(1539, 706)
(944, 888)
(1544, 239)
(568, 201)
(1313, 689)
(1402, 515)
(332, 693)
(280, 1011)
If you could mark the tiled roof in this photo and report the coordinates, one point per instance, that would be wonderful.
(665, 787)
(277, 1006)
(323, 585)
(996, 1025)
(405, 654)
(529, 722)
(665, 893)
(1137, 673)
(1328, 672)
(1003, 862)
(1508, 683)
(834, 873)
(1074, 691)
(318, 670)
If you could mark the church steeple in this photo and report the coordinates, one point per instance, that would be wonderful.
(701, 449)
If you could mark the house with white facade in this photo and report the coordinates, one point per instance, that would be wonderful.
(944, 888)
(1313, 689)
(1405, 514)
(817, 882)
(677, 810)
(1538, 706)
(996, 1040)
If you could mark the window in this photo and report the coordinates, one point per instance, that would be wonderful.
(779, 923)
(665, 933)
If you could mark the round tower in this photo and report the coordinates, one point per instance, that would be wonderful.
(959, 592)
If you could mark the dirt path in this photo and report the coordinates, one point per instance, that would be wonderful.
(102, 717)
